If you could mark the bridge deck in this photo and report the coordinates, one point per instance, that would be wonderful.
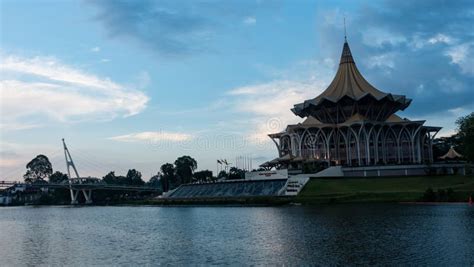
(77, 186)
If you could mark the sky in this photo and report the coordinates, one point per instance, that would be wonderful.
(136, 84)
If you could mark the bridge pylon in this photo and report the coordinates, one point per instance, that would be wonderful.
(75, 192)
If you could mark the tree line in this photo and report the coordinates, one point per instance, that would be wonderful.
(171, 175)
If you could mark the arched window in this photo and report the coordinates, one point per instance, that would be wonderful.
(340, 143)
(320, 146)
(285, 145)
(372, 143)
(405, 146)
(308, 145)
(353, 147)
(391, 147)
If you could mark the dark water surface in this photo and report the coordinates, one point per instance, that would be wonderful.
(382, 234)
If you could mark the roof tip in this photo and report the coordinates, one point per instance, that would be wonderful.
(346, 56)
(345, 32)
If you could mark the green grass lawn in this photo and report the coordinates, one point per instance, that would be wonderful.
(389, 189)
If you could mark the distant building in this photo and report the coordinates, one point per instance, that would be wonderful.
(5, 200)
(20, 193)
(352, 123)
(451, 155)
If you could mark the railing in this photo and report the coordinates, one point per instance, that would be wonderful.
(91, 186)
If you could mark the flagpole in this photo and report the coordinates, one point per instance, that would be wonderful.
(250, 165)
(246, 163)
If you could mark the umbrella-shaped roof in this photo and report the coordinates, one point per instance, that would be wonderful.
(451, 154)
(349, 85)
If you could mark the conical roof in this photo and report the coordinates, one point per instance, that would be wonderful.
(348, 84)
(451, 154)
(348, 81)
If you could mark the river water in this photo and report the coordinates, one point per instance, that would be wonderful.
(362, 234)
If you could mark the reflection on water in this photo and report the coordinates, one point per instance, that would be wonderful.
(323, 235)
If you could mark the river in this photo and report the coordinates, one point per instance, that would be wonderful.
(358, 234)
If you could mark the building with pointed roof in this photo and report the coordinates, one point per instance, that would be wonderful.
(451, 154)
(352, 123)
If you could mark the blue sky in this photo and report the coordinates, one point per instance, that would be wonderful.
(135, 84)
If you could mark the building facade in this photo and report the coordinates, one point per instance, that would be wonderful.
(353, 124)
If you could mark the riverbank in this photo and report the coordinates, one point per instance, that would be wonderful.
(241, 201)
(389, 189)
(341, 190)
(350, 190)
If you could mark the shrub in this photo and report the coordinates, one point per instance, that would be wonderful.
(429, 195)
(442, 197)
(450, 195)
(430, 171)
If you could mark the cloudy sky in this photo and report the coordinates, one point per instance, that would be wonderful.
(135, 84)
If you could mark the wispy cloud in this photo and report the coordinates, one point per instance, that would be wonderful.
(95, 49)
(15, 156)
(52, 69)
(378, 37)
(8, 158)
(250, 20)
(385, 60)
(153, 137)
(34, 88)
(447, 118)
(268, 104)
(441, 38)
(463, 56)
(265, 108)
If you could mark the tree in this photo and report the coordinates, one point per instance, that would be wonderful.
(185, 167)
(236, 173)
(110, 178)
(58, 195)
(134, 177)
(155, 181)
(168, 179)
(203, 176)
(466, 133)
(38, 169)
(57, 177)
(222, 175)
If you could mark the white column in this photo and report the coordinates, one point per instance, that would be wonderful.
(74, 194)
(358, 149)
(88, 195)
(367, 149)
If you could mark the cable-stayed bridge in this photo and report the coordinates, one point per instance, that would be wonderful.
(77, 184)
(87, 183)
